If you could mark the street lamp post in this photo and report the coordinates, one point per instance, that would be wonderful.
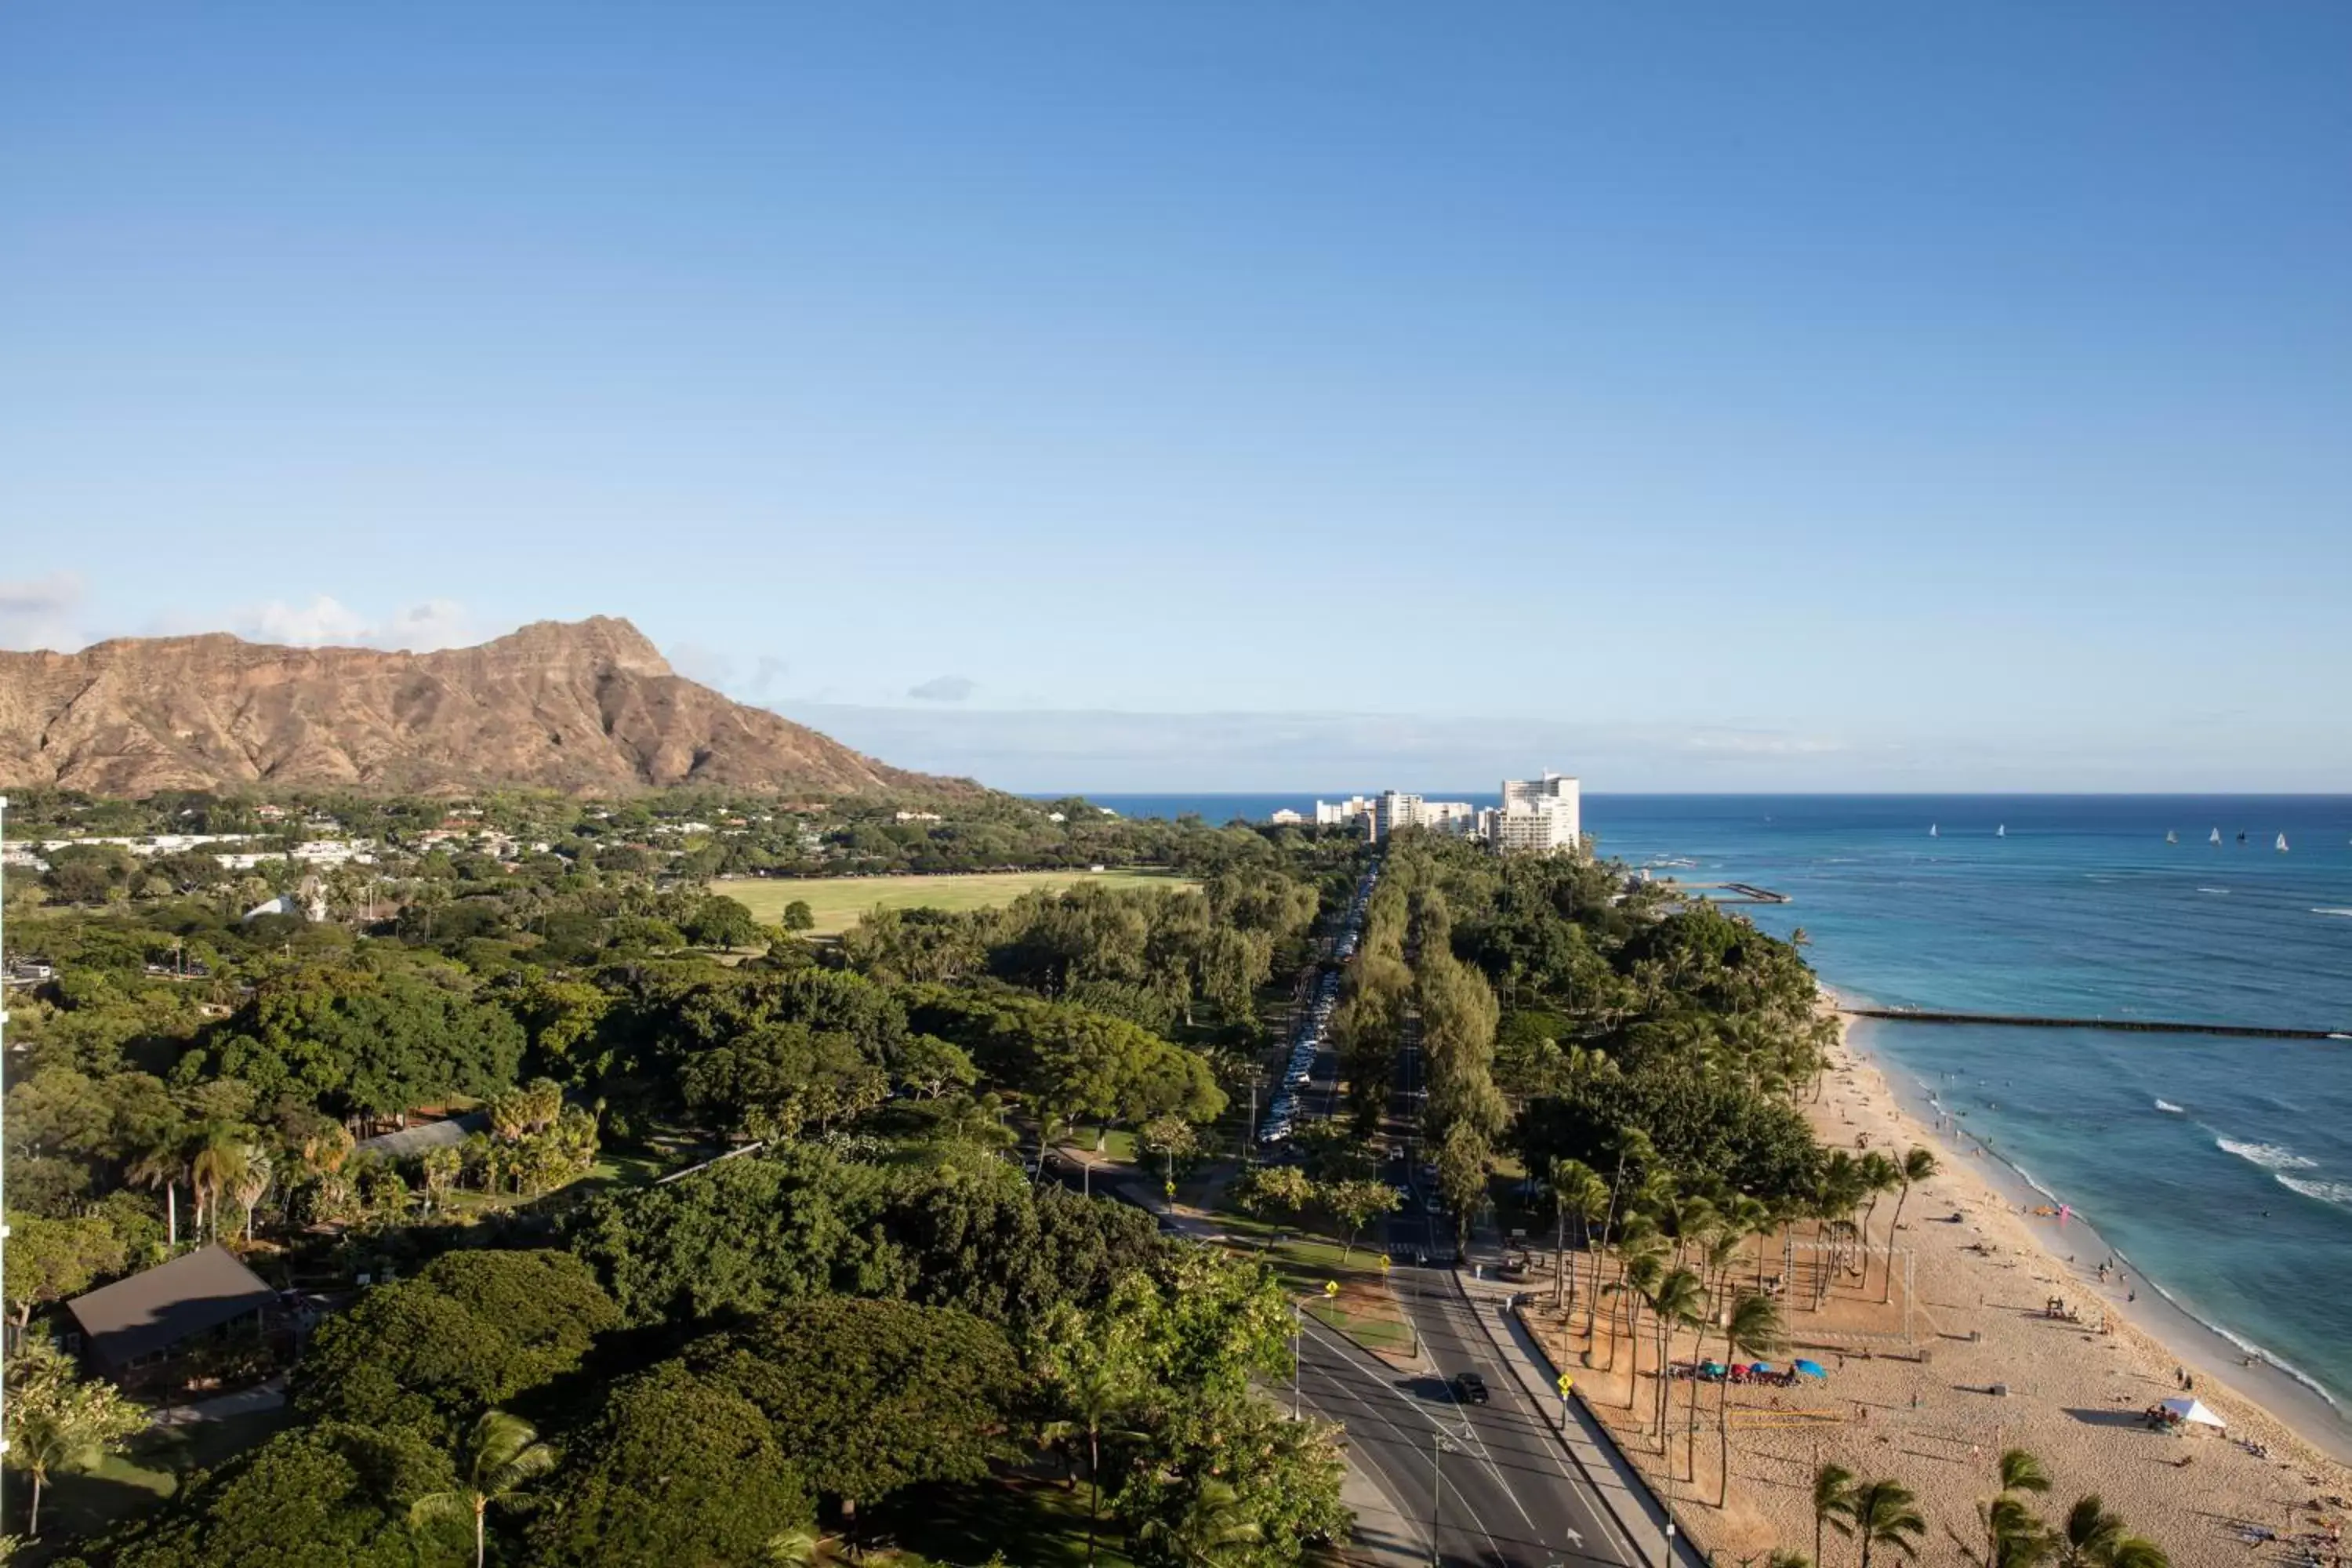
(1297, 1337)
(1667, 1561)
(1437, 1448)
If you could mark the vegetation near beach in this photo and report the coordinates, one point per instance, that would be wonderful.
(854, 1310)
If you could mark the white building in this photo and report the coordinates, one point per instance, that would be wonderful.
(1338, 813)
(1538, 816)
(1396, 809)
(1284, 818)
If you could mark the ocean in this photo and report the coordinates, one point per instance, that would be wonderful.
(2220, 1166)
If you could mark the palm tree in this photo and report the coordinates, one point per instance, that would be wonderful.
(1673, 1303)
(251, 1186)
(156, 1167)
(1641, 1260)
(1885, 1513)
(218, 1165)
(2020, 1471)
(1751, 1328)
(1582, 1193)
(1216, 1517)
(501, 1454)
(2015, 1536)
(1097, 1392)
(1877, 1175)
(1916, 1165)
(1832, 1495)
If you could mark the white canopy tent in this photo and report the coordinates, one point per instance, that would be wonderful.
(2193, 1412)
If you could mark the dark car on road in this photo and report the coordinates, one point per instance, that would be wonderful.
(1469, 1388)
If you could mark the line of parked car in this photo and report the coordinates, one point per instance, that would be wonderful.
(1306, 1040)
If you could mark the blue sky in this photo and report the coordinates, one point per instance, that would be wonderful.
(1869, 396)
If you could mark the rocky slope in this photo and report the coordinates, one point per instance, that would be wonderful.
(588, 707)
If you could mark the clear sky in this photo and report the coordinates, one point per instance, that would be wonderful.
(1817, 395)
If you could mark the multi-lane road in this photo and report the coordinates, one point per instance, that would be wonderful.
(1488, 1484)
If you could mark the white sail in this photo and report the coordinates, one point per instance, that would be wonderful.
(2216, 838)
(2002, 832)
(1931, 831)
(2281, 843)
(2171, 836)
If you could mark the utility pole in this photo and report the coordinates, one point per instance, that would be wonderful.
(1437, 1446)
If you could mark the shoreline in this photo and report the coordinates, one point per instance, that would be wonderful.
(2212, 1352)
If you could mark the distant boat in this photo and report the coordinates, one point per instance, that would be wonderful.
(2281, 844)
(2242, 835)
(2002, 832)
(2217, 836)
(1931, 831)
(2171, 836)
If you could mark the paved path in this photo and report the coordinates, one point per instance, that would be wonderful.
(262, 1397)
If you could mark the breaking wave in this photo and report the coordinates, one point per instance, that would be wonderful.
(2269, 1156)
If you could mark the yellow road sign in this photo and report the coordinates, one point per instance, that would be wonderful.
(1566, 1383)
(1330, 1287)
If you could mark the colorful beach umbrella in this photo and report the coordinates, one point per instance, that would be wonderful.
(1762, 1366)
(1812, 1369)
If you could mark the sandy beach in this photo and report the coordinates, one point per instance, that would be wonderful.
(1916, 1402)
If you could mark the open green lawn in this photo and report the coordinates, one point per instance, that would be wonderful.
(838, 901)
(1033, 1522)
(140, 1478)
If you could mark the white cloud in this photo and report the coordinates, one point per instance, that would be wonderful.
(42, 612)
(327, 621)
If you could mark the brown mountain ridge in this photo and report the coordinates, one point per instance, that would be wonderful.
(584, 707)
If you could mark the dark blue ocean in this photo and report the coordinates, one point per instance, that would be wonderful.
(2220, 1165)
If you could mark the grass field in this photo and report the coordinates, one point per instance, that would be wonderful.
(837, 902)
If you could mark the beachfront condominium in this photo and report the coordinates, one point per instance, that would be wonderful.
(1336, 813)
(1396, 809)
(1538, 816)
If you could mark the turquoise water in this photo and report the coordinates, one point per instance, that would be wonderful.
(2238, 1203)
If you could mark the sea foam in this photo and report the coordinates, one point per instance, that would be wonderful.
(2166, 1105)
(2336, 1193)
(2269, 1156)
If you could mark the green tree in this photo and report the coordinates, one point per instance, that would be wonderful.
(1352, 1206)
(471, 1333)
(1885, 1514)
(324, 1496)
(2019, 1471)
(1916, 1167)
(1094, 1374)
(2095, 1538)
(798, 916)
(676, 1471)
(1274, 1191)
(51, 1260)
(871, 1396)
(1222, 1480)
(501, 1454)
(1463, 1162)
(59, 1423)
(1832, 1504)
(1751, 1326)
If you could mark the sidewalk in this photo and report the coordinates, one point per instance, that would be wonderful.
(1606, 1472)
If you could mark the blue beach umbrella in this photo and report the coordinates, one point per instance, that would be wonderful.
(1762, 1366)
(1812, 1369)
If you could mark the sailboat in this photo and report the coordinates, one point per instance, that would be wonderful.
(1931, 831)
(2281, 844)
(2002, 832)
(2171, 836)
(2216, 838)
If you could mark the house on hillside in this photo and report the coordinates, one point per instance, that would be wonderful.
(143, 1320)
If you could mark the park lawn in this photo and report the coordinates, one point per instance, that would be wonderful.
(839, 902)
(145, 1475)
(1032, 1521)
